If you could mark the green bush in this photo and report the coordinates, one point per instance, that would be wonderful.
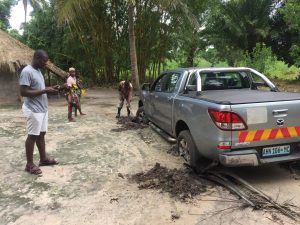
(260, 59)
(295, 53)
(263, 60)
(171, 64)
(280, 70)
(201, 62)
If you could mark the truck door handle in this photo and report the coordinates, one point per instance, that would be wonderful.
(280, 112)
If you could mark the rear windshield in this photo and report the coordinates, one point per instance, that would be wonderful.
(224, 80)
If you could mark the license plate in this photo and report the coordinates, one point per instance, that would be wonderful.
(276, 151)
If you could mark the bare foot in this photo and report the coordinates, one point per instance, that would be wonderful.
(72, 120)
(82, 114)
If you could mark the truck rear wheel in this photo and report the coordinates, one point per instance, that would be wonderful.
(187, 148)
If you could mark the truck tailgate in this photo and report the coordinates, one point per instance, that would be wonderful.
(273, 127)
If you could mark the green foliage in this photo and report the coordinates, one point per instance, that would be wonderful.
(5, 6)
(291, 12)
(187, 38)
(282, 38)
(263, 60)
(235, 27)
(218, 33)
(210, 55)
(295, 53)
(2, 25)
(280, 70)
(15, 33)
(260, 58)
(171, 64)
(200, 62)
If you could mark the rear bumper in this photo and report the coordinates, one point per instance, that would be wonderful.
(251, 158)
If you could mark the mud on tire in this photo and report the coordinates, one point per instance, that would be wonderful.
(187, 148)
(140, 114)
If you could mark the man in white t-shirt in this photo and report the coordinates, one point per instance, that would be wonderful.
(35, 108)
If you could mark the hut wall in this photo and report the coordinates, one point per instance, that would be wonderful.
(9, 87)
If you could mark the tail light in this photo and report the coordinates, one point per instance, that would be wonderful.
(224, 145)
(226, 120)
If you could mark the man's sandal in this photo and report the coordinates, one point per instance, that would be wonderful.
(48, 162)
(33, 169)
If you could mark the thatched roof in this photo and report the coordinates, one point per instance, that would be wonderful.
(14, 55)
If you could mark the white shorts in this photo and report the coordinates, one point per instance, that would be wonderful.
(36, 122)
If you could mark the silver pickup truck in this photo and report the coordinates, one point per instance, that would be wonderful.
(235, 116)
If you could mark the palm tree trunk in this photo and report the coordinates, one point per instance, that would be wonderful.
(25, 9)
(133, 58)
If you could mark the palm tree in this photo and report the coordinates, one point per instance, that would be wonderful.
(33, 3)
(69, 9)
(242, 23)
(25, 4)
(133, 58)
(67, 13)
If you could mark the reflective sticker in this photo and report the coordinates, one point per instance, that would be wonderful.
(292, 131)
(265, 134)
(269, 134)
(257, 115)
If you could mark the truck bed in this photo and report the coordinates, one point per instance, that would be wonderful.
(244, 96)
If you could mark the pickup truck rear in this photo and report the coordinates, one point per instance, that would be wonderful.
(235, 116)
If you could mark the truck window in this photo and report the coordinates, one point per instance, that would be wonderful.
(172, 81)
(224, 80)
(259, 83)
(167, 83)
(158, 85)
(192, 82)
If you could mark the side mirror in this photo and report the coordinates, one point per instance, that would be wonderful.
(145, 87)
(189, 88)
(261, 84)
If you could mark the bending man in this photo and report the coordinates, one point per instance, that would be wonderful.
(125, 93)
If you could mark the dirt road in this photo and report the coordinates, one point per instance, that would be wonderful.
(90, 185)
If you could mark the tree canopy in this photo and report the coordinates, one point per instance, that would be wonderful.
(137, 39)
(5, 7)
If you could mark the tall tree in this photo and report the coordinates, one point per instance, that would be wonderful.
(236, 26)
(282, 37)
(291, 12)
(133, 57)
(189, 38)
(67, 14)
(33, 3)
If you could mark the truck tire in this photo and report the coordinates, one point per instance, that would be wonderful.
(187, 148)
(140, 114)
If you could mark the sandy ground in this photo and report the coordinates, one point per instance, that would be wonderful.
(87, 187)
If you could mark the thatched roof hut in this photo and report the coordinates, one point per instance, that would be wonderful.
(13, 56)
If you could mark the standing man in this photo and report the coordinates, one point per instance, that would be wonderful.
(125, 93)
(35, 108)
(72, 96)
